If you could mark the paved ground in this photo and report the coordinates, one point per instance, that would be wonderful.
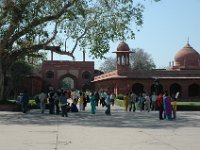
(84, 131)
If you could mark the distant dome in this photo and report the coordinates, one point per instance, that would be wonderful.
(187, 56)
(123, 47)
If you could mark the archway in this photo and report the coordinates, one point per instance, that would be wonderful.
(193, 90)
(157, 89)
(174, 88)
(137, 88)
(68, 82)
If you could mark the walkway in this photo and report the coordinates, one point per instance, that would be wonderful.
(84, 131)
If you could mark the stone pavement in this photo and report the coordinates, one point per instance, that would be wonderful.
(84, 131)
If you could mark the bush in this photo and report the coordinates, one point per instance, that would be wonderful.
(119, 102)
(188, 106)
(120, 97)
(32, 104)
(12, 102)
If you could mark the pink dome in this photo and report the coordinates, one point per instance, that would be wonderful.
(123, 47)
(187, 56)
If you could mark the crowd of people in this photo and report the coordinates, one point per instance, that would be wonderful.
(165, 104)
(62, 101)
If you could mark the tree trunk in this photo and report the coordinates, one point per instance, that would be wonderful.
(2, 77)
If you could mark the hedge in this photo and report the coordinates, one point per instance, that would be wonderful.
(181, 106)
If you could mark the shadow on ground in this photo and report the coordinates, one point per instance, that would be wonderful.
(118, 119)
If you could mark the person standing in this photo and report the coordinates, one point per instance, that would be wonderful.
(97, 98)
(112, 98)
(104, 94)
(160, 105)
(167, 106)
(140, 101)
(25, 101)
(92, 103)
(108, 101)
(174, 106)
(147, 102)
(51, 102)
(126, 101)
(63, 104)
(132, 101)
(42, 97)
(153, 98)
(84, 101)
(80, 101)
(56, 98)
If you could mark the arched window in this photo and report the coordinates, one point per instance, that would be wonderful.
(49, 74)
(193, 90)
(137, 88)
(123, 60)
(118, 60)
(86, 75)
(174, 88)
(156, 87)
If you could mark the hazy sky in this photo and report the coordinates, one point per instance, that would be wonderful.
(167, 26)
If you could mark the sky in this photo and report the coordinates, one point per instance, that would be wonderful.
(168, 25)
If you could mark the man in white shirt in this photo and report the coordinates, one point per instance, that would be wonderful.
(42, 97)
(153, 98)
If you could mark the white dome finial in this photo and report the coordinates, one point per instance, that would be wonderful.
(188, 41)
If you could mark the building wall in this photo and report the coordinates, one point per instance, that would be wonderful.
(124, 86)
(58, 70)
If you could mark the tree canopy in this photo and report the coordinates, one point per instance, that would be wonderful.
(33, 25)
(141, 60)
(108, 65)
(27, 26)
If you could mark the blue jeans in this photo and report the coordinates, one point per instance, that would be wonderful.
(42, 107)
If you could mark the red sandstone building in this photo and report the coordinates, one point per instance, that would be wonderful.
(62, 74)
(183, 76)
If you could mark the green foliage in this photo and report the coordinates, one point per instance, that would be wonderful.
(19, 71)
(188, 106)
(28, 26)
(120, 97)
(90, 24)
(119, 102)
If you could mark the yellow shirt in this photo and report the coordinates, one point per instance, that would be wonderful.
(80, 100)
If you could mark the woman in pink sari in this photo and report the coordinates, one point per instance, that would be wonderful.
(167, 106)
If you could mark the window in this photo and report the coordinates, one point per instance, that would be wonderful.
(49, 74)
(86, 75)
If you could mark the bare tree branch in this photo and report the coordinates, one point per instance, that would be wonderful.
(78, 39)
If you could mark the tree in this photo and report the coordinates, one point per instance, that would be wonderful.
(108, 65)
(28, 26)
(139, 60)
(19, 71)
